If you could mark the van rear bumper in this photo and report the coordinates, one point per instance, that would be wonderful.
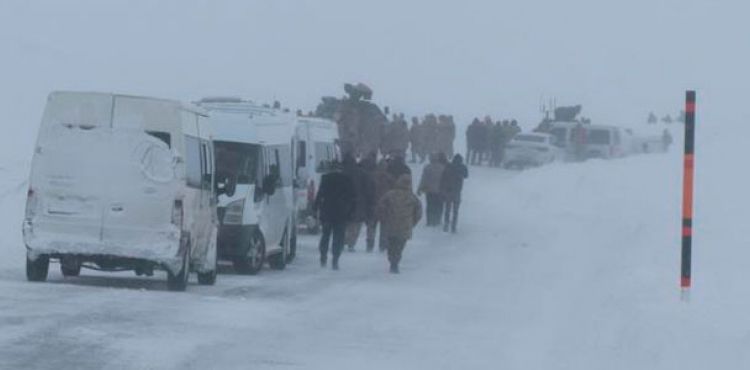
(161, 248)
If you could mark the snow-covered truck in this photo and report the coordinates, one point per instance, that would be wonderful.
(122, 183)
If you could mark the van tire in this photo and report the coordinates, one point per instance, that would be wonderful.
(209, 277)
(247, 265)
(178, 282)
(278, 261)
(292, 247)
(38, 269)
(69, 271)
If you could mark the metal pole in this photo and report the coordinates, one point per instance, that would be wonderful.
(687, 193)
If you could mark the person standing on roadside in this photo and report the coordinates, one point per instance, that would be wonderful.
(451, 185)
(334, 205)
(429, 185)
(399, 211)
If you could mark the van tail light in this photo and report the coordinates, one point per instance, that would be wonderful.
(311, 192)
(234, 212)
(178, 213)
(31, 203)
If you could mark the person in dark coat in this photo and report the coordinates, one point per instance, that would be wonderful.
(370, 167)
(451, 185)
(334, 205)
(397, 167)
(363, 200)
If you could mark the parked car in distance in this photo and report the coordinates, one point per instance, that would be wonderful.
(122, 183)
(317, 144)
(530, 150)
(254, 148)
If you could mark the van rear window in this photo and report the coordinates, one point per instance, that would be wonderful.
(598, 137)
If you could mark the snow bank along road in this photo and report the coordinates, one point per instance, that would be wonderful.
(565, 267)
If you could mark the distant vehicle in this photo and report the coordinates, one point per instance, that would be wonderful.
(122, 183)
(563, 134)
(604, 142)
(317, 145)
(254, 149)
(530, 150)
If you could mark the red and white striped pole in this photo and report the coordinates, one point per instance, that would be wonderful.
(687, 195)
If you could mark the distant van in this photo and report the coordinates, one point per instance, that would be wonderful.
(317, 145)
(122, 183)
(256, 202)
(563, 138)
(604, 142)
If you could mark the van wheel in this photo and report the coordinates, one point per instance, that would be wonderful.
(292, 247)
(178, 282)
(278, 260)
(209, 277)
(69, 270)
(252, 263)
(37, 270)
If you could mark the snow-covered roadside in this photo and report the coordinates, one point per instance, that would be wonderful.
(564, 267)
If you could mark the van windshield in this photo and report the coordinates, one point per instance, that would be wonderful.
(598, 137)
(236, 160)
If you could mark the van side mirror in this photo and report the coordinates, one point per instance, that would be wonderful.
(269, 184)
(227, 187)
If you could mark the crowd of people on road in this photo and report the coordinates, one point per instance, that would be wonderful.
(370, 194)
(486, 141)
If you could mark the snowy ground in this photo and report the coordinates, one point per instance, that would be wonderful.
(565, 267)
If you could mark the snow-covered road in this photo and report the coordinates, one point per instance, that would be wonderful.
(565, 267)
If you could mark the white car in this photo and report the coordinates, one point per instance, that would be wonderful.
(122, 183)
(317, 144)
(530, 149)
(254, 149)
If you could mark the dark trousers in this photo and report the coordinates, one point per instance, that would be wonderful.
(338, 231)
(434, 208)
(395, 249)
(451, 214)
(372, 228)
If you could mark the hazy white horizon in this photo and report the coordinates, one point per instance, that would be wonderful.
(619, 59)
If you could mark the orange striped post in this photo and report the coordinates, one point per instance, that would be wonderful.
(687, 192)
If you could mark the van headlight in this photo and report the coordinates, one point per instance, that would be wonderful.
(234, 211)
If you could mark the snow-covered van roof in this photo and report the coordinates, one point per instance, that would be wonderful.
(248, 122)
(102, 109)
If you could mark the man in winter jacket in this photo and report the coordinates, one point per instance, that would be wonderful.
(335, 205)
(399, 211)
(363, 200)
(429, 185)
(384, 182)
(451, 185)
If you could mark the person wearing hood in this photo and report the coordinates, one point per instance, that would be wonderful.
(334, 205)
(399, 211)
(429, 185)
(451, 185)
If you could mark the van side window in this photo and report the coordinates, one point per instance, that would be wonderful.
(193, 162)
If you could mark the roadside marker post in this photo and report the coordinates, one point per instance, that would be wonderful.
(687, 196)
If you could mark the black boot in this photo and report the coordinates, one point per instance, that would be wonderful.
(323, 261)
(394, 268)
(335, 264)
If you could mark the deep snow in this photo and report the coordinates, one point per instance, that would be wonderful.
(570, 266)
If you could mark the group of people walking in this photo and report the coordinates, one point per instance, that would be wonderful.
(434, 134)
(368, 194)
(487, 140)
(371, 195)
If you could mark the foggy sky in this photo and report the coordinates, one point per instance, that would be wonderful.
(620, 59)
